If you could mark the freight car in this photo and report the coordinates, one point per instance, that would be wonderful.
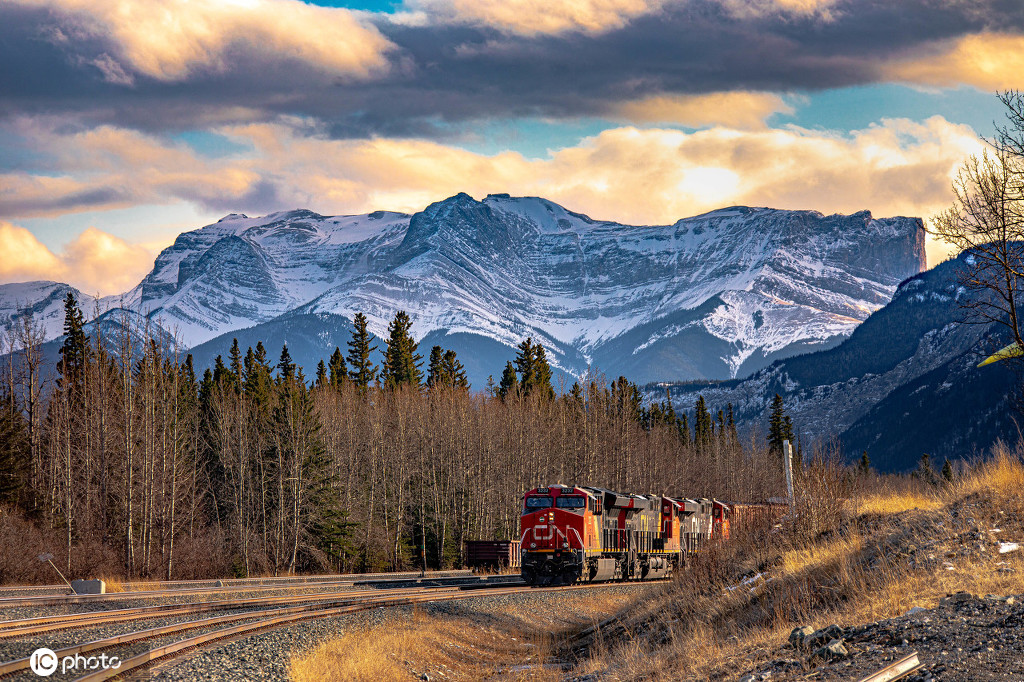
(576, 533)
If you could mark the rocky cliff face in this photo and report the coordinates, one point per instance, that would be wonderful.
(905, 383)
(715, 296)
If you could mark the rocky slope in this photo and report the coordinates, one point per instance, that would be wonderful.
(891, 388)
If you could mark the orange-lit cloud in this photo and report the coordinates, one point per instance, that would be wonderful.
(729, 109)
(988, 61)
(632, 175)
(531, 17)
(170, 39)
(94, 262)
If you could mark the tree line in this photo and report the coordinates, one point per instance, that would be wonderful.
(127, 462)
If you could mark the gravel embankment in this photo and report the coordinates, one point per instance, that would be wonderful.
(266, 656)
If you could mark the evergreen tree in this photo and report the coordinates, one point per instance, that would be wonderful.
(235, 366)
(256, 379)
(924, 469)
(731, 424)
(434, 369)
(626, 399)
(542, 374)
(14, 451)
(575, 396)
(778, 430)
(526, 367)
(454, 372)
(947, 471)
(362, 371)
(702, 428)
(684, 429)
(401, 361)
(285, 366)
(338, 369)
(74, 350)
(221, 374)
(864, 468)
(509, 381)
(321, 374)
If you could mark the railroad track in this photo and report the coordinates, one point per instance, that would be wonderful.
(63, 600)
(236, 625)
(241, 583)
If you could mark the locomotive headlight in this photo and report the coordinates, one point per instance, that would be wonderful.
(565, 544)
(533, 544)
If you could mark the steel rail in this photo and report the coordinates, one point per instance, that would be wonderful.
(21, 602)
(896, 670)
(266, 580)
(131, 637)
(42, 624)
(183, 646)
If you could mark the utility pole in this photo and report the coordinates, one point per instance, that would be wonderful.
(787, 457)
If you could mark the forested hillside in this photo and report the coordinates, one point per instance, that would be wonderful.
(126, 463)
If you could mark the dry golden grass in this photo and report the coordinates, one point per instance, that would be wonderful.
(896, 502)
(893, 551)
(509, 643)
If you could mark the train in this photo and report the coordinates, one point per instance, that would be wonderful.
(582, 534)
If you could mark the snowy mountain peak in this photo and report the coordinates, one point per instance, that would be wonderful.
(716, 295)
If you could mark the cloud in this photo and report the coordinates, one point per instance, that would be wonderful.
(988, 61)
(897, 167)
(730, 109)
(170, 40)
(93, 262)
(532, 17)
(437, 71)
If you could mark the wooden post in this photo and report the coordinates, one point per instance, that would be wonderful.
(787, 456)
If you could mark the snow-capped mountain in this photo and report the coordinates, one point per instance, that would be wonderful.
(715, 296)
(892, 387)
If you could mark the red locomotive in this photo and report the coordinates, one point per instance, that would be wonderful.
(575, 533)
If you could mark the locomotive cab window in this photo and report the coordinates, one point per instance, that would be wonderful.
(571, 502)
(538, 502)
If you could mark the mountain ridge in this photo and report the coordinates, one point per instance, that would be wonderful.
(766, 282)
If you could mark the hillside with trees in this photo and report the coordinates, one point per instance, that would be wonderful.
(122, 461)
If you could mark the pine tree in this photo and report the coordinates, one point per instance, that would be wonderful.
(338, 369)
(947, 471)
(454, 372)
(362, 371)
(434, 369)
(701, 424)
(14, 451)
(235, 366)
(75, 349)
(542, 374)
(221, 374)
(777, 427)
(684, 429)
(285, 366)
(321, 374)
(731, 424)
(525, 366)
(401, 361)
(575, 396)
(864, 468)
(924, 469)
(509, 381)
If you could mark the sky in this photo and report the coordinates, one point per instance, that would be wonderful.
(126, 122)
